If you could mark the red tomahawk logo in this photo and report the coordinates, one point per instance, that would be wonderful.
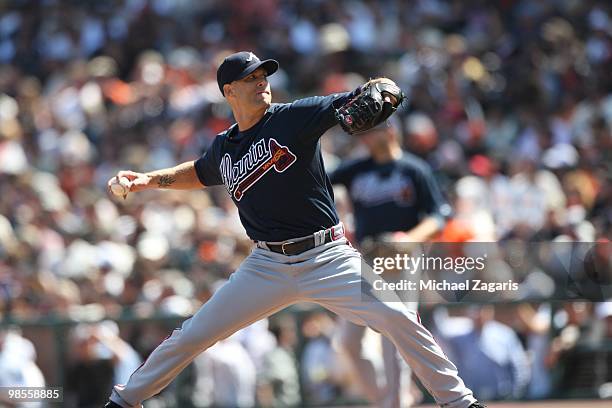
(281, 158)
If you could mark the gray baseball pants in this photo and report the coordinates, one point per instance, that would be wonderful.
(266, 282)
(349, 340)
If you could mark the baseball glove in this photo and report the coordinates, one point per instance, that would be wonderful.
(371, 107)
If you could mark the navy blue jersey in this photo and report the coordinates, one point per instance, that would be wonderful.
(390, 197)
(274, 171)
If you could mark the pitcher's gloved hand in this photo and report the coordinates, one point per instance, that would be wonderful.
(377, 101)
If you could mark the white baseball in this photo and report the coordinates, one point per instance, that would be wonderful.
(121, 187)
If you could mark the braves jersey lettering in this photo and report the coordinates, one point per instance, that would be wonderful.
(371, 189)
(242, 175)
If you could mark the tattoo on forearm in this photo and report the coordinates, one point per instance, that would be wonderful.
(165, 181)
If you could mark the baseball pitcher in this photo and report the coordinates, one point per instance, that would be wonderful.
(271, 165)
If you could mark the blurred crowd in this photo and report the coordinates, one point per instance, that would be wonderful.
(532, 350)
(509, 101)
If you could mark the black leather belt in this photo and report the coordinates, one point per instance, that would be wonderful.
(303, 245)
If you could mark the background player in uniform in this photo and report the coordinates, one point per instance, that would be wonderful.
(394, 198)
(271, 165)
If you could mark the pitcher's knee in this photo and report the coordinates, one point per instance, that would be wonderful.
(190, 338)
(191, 341)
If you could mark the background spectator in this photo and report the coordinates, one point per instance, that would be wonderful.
(18, 365)
(498, 366)
(280, 384)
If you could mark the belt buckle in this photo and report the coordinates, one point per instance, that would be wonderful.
(283, 246)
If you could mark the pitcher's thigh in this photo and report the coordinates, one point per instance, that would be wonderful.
(247, 297)
(340, 285)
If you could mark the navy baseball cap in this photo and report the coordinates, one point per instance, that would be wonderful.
(241, 64)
